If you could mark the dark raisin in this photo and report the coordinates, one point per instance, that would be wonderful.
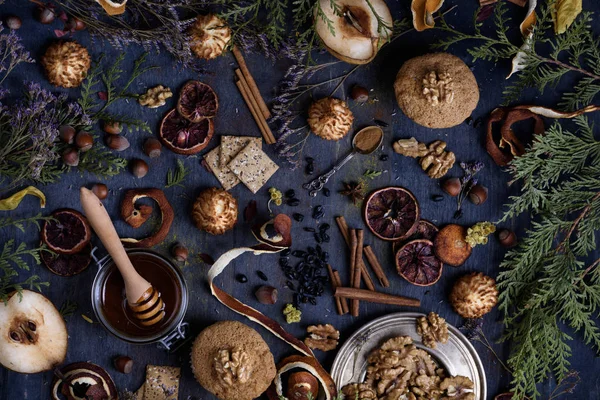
(309, 229)
(289, 275)
(437, 197)
(285, 253)
(312, 301)
(310, 258)
(458, 214)
(284, 262)
(241, 278)
(290, 194)
(324, 227)
(318, 212)
(310, 160)
(293, 202)
(304, 300)
(325, 237)
(310, 169)
(262, 275)
(325, 256)
(384, 157)
(298, 217)
(290, 285)
(326, 192)
(318, 238)
(381, 123)
(298, 253)
(469, 121)
(477, 123)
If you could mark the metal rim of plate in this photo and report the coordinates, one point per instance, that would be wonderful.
(458, 356)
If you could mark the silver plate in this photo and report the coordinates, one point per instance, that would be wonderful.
(457, 356)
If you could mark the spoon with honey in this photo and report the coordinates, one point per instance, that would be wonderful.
(148, 309)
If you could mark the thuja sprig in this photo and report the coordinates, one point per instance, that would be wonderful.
(176, 177)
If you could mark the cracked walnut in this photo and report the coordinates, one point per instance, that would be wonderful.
(232, 366)
(322, 337)
(438, 87)
(432, 329)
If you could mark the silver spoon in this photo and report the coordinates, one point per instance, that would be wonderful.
(319, 183)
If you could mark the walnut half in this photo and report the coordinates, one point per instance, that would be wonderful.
(434, 159)
(432, 329)
(155, 97)
(322, 337)
(438, 87)
(232, 366)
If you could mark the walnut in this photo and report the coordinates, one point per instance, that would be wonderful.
(438, 161)
(410, 148)
(359, 391)
(474, 295)
(66, 63)
(155, 97)
(232, 366)
(322, 337)
(438, 87)
(432, 329)
(330, 118)
(458, 388)
(215, 211)
(210, 35)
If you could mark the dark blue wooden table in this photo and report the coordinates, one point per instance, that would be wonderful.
(90, 342)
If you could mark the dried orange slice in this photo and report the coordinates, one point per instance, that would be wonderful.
(67, 233)
(416, 262)
(392, 213)
(184, 137)
(197, 101)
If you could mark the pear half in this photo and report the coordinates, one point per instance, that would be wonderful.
(33, 334)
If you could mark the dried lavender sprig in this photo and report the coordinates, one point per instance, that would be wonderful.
(12, 53)
(467, 181)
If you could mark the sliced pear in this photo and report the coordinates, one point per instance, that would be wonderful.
(33, 334)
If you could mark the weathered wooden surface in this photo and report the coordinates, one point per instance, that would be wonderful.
(90, 342)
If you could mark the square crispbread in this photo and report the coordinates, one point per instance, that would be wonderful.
(232, 145)
(162, 383)
(227, 178)
(253, 167)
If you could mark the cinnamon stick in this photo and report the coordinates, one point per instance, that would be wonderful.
(376, 266)
(242, 84)
(264, 110)
(358, 256)
(354, 271)
(341, 223)
(343, 300)
(375, 297)
(338, 301)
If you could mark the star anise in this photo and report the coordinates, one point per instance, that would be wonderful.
(354, 191)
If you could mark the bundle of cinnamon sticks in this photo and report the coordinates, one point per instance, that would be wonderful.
(252, 97)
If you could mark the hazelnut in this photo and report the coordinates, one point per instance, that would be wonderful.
(70, 157)
(266, 295)
(451, 186)
(152, 147)
(123, 364)
(116, 142)
(84, 141)
(359, 94)
(67, 134)
(13, 22)
(300, 384)
(180, 252)
(74, 24)
(112, 127)
(45, 14)
(478, 194)
(139, 168)
(100, 190)
(507, 238)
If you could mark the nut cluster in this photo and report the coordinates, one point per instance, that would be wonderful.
(66, 63)
(232, 366)
(155, 97)
(435, 159)
(210, 35)
(432, 329)
(330, 118)
(438, 87)
(322, 337)
(474, 295)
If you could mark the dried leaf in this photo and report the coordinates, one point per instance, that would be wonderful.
(250, 211)
(485, 12)
(530, 18)
(12, 202)
(60, 33)
(422, 11)
(566, 11)
(103, 96)
(519, 61)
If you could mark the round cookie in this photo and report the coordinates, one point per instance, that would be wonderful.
(232, 361)
(436, 90)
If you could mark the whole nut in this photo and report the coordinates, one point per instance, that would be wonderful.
(74, 24)
(266, 295)
(478, 194)
(123, 364)
(67, 134)
(112, 127)
(100, 190)
(507, 238)
(180, 252)
(452, 186)
(359, 94)
(84, 141)
(13, 22)
(139, 168)
(70, 157)
(117, 142)
(300, 384)
(45, 14)
(152, 147)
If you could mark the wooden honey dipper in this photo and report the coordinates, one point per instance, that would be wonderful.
(149, 309)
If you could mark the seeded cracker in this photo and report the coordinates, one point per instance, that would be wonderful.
(232, 145)
(162, 383)
(253, 167)
(223, 174)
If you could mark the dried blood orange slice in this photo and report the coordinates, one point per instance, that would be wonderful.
(450, 245)
(185, 137)
(416, 262)
(392, 213)
(425, 230)
(67, 264)
(68, 232)
(197, 101)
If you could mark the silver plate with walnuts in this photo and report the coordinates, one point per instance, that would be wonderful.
(457, 356)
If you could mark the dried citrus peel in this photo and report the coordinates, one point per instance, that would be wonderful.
(530, 19)
(128, 211)
(12, 202)
(111, 7)
(310, 364)
(422, 11)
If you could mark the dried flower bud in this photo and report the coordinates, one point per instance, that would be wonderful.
(70, 157)
(266, 295)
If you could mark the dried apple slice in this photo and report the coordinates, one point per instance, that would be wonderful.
(33, 335)
(84, 381)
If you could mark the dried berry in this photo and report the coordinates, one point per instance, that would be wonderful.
(359, 94)
(100, 190)
(152, 147)
(266, 295)
(478, 194)
(70, 157)
(241, 278)
(84, 141)
(139, 168)
(180, 252)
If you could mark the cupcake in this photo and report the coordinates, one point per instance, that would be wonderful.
(436, 90)
(232, 361)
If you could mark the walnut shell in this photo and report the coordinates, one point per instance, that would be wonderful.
(210, 35)
(474, 295)
(215, 211)
(330, 118)
(66, 64)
